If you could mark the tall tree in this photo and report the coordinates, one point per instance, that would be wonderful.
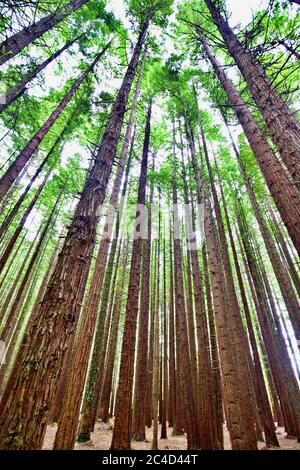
(285, 195)
(283, 128)
(16, 167)
(64, 292)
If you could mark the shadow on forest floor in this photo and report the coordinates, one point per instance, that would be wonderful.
(101, 440)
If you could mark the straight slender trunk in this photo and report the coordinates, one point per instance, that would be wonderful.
(165, 377)
(188, 399)
(13, 289)
(112, 346)
(122, 428)
(279, 236)
(280, 270)
(156, 374)
(15, 309)
(217, 404)
(203, 385)
(231, 302)
(93, 387)
(24, 156)
(11, 243)
(39, 170)
(148, 420)
(69, 416)
(70, 411)
(16, 43)
(139, 406)
(227, 350)
(285, 195)
(281, 377)
(107, 303)
(12, 267)
(17, 90)
(280, 122)
(262, 395)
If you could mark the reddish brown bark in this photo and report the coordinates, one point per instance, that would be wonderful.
(280, 271)
(291, 264)
(15, 315)
(94, 382)
(217, 420)
(11, 243)
(189, 404)
(16, 207)
(69, 416)
(285, 195)
(283, 381)
(155, 361)
(260, 387)
(172, 370)
(139, 406)
(112, 345)
(14, 92)
(31, 388)
(148, 420)
(203, 385)
(283, 128)
(164, 375)
(122, 428)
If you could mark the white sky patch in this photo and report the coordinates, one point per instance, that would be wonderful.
(242, 10)
(118, 8)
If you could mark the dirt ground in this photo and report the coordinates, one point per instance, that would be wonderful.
(101, 440)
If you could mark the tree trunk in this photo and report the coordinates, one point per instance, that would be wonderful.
(16, 167)
(190, 411)
(262, 395)
(283, 128)
(285, 252)
(280, 374)
(280, 271)
(8, 250)
(68, 420)
(17, 90)
(13, 289)
(217, 405)
(122, 428)
(139, 406)
(112, 346)
(227, 350)
(156, 374)
(59, 311)
(165, 377)
(154, 274)
(15, 309)
(203, 386)
(93, 387)
(286, 197)
(16, 43)
(172, 391)
(231, 302)
(18, 204)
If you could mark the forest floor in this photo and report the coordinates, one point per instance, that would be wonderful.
(102, 436)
